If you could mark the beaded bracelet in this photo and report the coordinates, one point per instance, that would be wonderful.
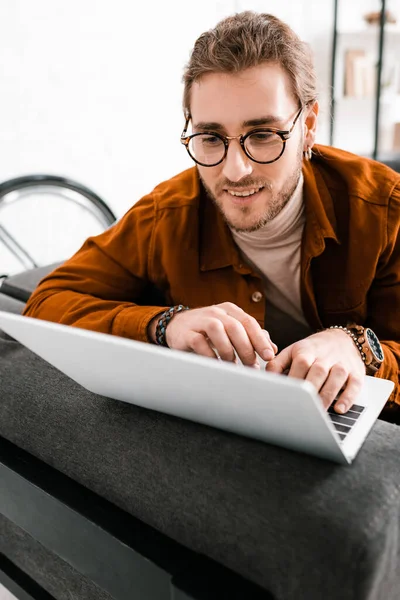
(163, 321)
(353, 337)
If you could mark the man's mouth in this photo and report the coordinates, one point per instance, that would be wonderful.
(244, 193)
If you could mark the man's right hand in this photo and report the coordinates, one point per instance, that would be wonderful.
(219, 330)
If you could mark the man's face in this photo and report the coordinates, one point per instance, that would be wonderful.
(228, 102)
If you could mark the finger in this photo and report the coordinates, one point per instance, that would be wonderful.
(199, 345)
(274, 346)
(350, 394)
(215, 331)
(240, 341)
(318, 374)
(282, 362)
(301, 365)
(336, 380)
(261, 343)
(235, 360)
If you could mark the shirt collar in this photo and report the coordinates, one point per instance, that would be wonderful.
(320, 212)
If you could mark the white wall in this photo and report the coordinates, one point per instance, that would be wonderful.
(88, 84)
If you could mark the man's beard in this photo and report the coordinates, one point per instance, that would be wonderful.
(276, 202)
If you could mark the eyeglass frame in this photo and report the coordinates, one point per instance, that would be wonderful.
(284, 134)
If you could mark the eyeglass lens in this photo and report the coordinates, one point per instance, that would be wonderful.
(261, 146)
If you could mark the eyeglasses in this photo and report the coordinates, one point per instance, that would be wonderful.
(263, 145)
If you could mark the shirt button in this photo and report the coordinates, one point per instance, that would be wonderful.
(256, 296)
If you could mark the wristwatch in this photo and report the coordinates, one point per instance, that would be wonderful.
(368, 345)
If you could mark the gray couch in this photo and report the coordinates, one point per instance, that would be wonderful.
(101, 499)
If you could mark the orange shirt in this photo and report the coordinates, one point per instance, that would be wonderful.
(173, 247)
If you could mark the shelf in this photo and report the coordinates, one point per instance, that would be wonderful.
(392, 159)
(358, 60)
(370, 31)
(385, 99)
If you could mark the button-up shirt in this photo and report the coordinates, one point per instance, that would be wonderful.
(174, 247)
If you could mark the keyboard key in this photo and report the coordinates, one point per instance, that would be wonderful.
(353, 414)
(342, 419)
(342, 428)
(357, 408)
(350, 414)
(344, 423)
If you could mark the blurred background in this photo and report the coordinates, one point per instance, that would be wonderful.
(92, 90)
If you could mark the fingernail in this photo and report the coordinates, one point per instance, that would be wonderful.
(268, 354)
(340, 407)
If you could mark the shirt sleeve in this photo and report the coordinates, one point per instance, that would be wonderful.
(101, 286)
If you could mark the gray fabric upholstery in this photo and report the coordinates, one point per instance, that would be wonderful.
(27, 281)
(10, 304)
(298, 526)
(49, 571)
(393, 163)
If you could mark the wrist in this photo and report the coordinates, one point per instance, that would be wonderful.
(163, 321)
(367, 344)
(151, 328)
(347, 334)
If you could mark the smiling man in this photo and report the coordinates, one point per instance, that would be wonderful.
(249, 194)
(269, 245)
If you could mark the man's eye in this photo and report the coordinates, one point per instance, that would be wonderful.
(263, 137)
(210, 140)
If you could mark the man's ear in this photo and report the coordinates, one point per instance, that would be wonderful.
(310, 125)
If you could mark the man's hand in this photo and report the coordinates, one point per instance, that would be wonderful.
(330, 361)
(224, 328)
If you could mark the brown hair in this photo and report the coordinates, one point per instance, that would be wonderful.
(246, 40)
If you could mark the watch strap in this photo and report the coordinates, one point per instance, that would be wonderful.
(357, 334)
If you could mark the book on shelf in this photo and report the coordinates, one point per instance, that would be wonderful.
(396, 137)
(360, 74)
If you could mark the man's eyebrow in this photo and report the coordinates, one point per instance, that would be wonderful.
(208, 125)
(268, 121)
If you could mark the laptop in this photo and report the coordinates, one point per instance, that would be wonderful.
(273, 408)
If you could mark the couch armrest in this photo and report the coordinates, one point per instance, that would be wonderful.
(295, 525)
(20, 286)
(12, 305)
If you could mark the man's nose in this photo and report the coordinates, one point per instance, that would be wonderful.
(236, 164)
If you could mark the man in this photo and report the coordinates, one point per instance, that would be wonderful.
(277, 247)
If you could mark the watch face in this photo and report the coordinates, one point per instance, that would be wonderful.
(374, 344)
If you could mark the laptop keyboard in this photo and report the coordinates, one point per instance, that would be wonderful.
(344, 423)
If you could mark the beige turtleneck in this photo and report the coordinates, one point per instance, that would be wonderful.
(274, 252)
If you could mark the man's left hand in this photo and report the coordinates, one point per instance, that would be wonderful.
(330, 361)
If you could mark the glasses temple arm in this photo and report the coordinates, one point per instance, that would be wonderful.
(183, 134)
